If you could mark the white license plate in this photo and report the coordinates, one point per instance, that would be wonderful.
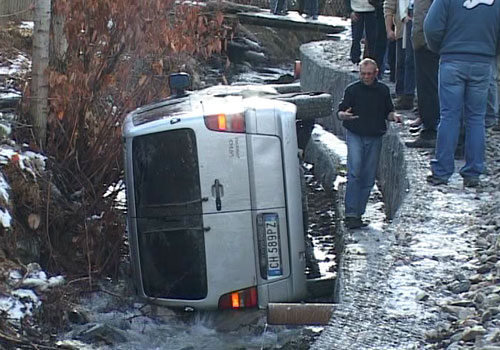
(271, 227)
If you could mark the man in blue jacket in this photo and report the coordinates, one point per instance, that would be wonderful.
(465, 34)
(364, 109)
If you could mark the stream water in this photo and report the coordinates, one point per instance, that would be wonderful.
(124, 324)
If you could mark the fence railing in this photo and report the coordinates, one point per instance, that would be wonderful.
(16, 10)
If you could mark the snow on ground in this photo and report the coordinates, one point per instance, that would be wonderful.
(24, 296)
(16, 65)
(21, 293)
(27, 25)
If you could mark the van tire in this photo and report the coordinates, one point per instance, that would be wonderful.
(310, 105)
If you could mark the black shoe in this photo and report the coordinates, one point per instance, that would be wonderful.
(471, 182)
(435, 181)
(421, 142)
(415, 129)
(354, 222)
(428, 134)
(404, 102)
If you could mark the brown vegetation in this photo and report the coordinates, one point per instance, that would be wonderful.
(118, 57)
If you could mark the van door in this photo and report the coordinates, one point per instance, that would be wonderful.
(168, 215)
(194, 223)
(229, 239)
(269, 202)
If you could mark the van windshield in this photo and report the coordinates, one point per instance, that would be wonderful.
(169, 215)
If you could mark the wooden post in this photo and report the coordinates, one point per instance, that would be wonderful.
(295, 313)
(40, 81)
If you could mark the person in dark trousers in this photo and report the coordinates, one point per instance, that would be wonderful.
(381, 38)
(391, 59)
(465, 35)
(301, 7)
(311, 9)
(363, 21)
(280, 8)
(398, 16)
(364, 110)
(426, 69)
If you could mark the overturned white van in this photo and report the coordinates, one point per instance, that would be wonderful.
(214, 199)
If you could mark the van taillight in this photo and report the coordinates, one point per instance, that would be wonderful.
(226, 122)
(241, 299)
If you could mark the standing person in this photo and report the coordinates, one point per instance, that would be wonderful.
(364, 109)
(381, 37)
(397, 14)
(279, 7)
(301, 7)
(391, 59)
(312, 9)
(363, 21)
(497, 127)
(426, 69)
(491, 118)
(465, 34)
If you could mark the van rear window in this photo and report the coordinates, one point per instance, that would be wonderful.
(169, 215)
(166, 175)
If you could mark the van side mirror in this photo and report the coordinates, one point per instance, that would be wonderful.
(178, 83)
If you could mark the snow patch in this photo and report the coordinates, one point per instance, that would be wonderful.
(27, 25)
(22, 301)
(20, 304)
(16, 65)
(5, 129)
(331, 141)
(5, 218)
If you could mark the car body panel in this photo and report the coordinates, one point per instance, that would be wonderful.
(243, 178)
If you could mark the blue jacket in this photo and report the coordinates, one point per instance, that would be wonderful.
(465, 30)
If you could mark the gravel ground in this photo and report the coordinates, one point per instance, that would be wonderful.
(429, 279)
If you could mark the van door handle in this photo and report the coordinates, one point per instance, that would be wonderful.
(218, 192)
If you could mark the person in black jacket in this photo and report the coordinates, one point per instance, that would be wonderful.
(364, 109)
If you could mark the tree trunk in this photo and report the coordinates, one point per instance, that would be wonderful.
(39, 83)
(59, 44)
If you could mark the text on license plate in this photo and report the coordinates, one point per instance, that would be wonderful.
(272, 241)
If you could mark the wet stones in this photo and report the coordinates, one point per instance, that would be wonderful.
(472, 332)
(475, 312)
(458, 287)
(96, 333)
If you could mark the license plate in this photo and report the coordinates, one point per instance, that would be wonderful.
(272, 244)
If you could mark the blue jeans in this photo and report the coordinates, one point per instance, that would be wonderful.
(463, 88)
(405, 65)
(362, 160)
(366, 24)
(492, 106)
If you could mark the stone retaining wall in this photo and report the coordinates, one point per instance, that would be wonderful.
(320, 73)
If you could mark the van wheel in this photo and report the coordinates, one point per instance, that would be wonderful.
(310, 105)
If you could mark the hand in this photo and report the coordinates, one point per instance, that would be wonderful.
(354, 16)
(407, 19)
(396, 117)
(391, 35)
(347, 114)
